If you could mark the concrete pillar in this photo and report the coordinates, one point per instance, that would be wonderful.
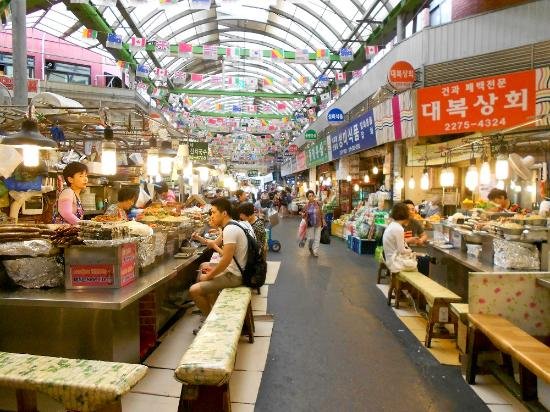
(19, 46)
(400, 36)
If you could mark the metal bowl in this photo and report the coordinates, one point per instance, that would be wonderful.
(536, 222)
(474, 238)
(509, 231)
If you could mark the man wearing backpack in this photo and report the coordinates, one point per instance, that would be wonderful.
(228, 273)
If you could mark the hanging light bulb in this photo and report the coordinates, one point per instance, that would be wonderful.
(356, 187)
(348, 178)
(500, 184)
(375, 170)
(166, 156)
(425, 180)
(517, 188)
(329, 181)
(412, 183)
(399, 183)
(366, 179)
(447, 178)
(513, 184)
(108, 153)
(485, 173)
(501, 168)
(31, 155)
(153, 161)
(30, 141)
(472, 177)
(203, 173)
(188, 169)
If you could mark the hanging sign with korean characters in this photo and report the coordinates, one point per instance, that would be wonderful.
(401, 75)
(357, 135)
(335, 115)
(317, 153)
(488, 103)
(198, 151)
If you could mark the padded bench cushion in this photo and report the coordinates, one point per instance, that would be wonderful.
(429, 288)
(507, 337)
(79, 384)
(210, 358)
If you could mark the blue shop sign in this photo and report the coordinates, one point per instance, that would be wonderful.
(357, 135)
(335, 115)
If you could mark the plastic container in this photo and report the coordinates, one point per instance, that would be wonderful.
(109, 267)
(363, 246)
(473, 250)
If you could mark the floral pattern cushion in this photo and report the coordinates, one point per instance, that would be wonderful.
(83, 385)
(210, 358)
(515, 296)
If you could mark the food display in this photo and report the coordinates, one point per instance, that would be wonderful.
(66, 236)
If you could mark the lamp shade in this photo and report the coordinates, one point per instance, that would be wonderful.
(29, 136)
(485, 173)
(501, 168)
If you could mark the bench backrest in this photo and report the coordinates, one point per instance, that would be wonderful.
(514, 296)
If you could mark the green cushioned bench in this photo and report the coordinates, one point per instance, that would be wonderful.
(437, 296)
(206, 366)
(532, 355)
(80, 385)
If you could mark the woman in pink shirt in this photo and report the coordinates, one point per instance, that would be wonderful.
(69, 208)
(165, 194)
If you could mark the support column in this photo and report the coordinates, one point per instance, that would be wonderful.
(400, 36)
(19, 46)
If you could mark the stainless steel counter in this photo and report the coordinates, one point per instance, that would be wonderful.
(98, 298)
(469, 261)
(101, 324)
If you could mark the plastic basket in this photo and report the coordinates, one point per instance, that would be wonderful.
(363, 246)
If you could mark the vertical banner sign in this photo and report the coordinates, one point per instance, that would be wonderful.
(357, 135)
(198, 151)
(317, 153)
(487, 103)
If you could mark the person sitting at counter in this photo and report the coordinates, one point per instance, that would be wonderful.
(414, 231)
(393, 240)
(500, 200)
(69, 207)
(165, 194)
(127, 197)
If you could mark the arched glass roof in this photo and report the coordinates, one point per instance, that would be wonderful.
(251, 24)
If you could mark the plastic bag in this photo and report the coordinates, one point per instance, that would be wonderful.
(403, 262)
(379, 253)
(325, 236)
(302, 233)
(11, 159)
(142, 199)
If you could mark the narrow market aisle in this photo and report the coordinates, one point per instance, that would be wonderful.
(336, 345)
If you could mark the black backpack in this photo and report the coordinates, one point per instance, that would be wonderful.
(255, 269)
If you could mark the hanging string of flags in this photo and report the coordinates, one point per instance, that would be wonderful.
(214, 52)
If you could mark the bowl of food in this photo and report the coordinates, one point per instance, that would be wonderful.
(511, 228)
(535, 220)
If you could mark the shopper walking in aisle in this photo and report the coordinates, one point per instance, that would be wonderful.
(315, 221)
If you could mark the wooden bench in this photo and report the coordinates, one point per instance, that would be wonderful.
(206, 366)
(80, 385)
(436, 295)
(532, 355)
(460, 311)
(383, 270)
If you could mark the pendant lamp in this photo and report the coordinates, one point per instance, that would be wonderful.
(166, 156)
(485, 171)
(108, 153)
(30, 141)
(501, 167)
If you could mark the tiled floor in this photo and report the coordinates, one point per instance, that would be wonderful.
(159, 391)
(487, 387)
